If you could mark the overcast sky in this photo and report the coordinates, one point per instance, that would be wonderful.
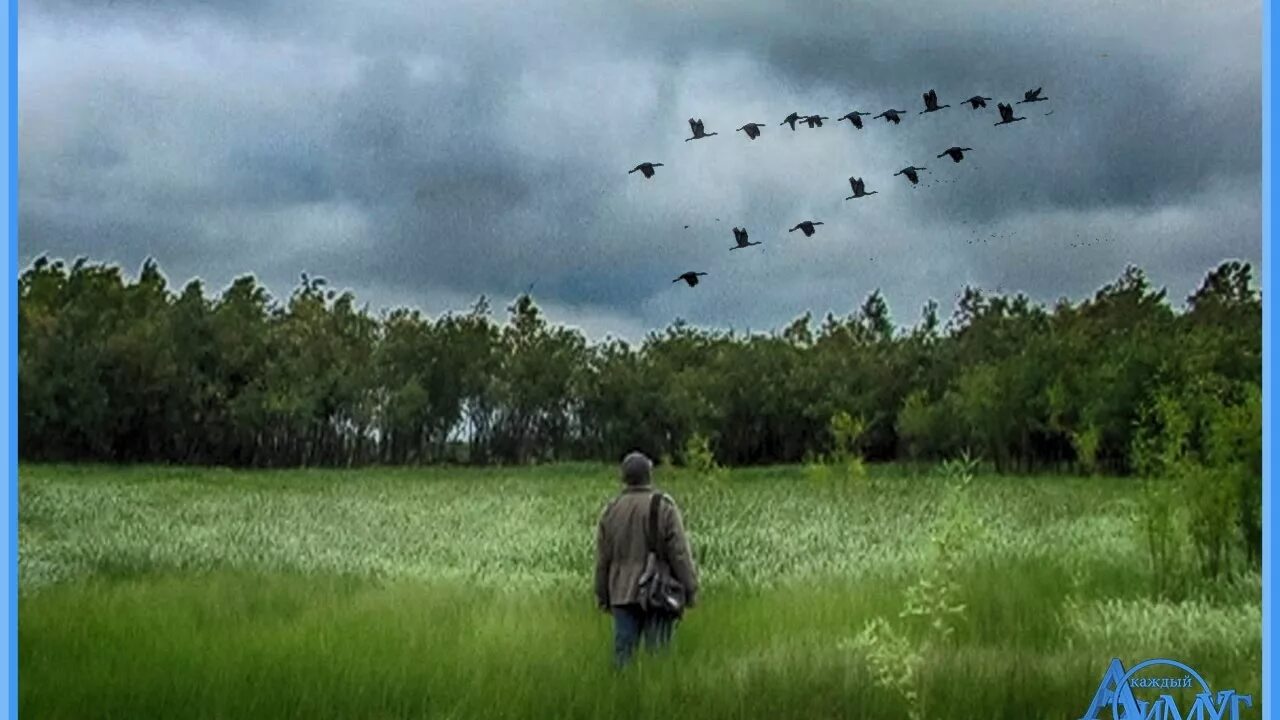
(423, 153)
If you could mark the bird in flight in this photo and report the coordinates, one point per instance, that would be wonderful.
(814, 121)
(977, 101)
(1006, 115)
(806, 227)
(645, 168)
(931, 102)
(740, 235)
(1032, 96)
(910, 172)
(890, 116)
(956, 153)
(854, 118)
(690, 277)
(791, 120)
(699, 130)
(859, 189)
(751, 129)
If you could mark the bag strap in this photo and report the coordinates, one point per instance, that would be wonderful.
(651, 537)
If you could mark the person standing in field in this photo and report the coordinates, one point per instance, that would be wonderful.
(622, 552)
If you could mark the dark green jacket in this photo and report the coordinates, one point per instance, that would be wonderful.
(621, 548)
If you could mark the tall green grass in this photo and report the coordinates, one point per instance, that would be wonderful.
(150, 593)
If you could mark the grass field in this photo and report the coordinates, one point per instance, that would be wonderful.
(465, 593)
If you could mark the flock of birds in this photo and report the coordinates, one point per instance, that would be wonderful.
(753, 130)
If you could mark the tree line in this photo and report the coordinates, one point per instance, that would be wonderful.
(119, 370)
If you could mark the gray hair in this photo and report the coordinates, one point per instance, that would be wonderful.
(636, 469)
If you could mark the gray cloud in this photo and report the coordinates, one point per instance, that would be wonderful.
(426, 155)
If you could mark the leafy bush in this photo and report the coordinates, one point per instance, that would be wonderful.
(895, 655)
(1234, 442)
(1202, 499)
(699, 457)
(1085, 442)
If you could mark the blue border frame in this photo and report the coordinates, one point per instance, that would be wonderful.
(8, 368)
(9, 325)
(1269, 679)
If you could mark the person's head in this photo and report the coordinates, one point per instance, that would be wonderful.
(636, 469)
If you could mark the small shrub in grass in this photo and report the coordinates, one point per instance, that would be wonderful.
(1160, 518)
(1234, 443)
(1085, 442)
(895, 661)
(843, 466)
(699, 458)
(1197, 510)
(1211, 496)
(931, 603)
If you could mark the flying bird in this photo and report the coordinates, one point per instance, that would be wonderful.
(859, 189)
(699, 130)
(854, 118)
(645, 168)
(814, 121)
(740, 235)
(1032, 96)
(890, 116)
(977, 101)
(1006, 115)
(910, 172)
(931, 102)
(751, 129)
(806, 227)
(690, 277)
(956, 153)
(791, 120)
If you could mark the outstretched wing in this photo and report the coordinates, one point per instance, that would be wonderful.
(693, 125)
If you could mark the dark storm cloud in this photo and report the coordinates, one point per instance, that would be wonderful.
(431, 154)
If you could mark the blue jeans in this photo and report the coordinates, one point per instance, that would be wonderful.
(630, 624)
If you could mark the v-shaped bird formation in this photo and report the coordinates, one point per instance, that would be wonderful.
(755, 130)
